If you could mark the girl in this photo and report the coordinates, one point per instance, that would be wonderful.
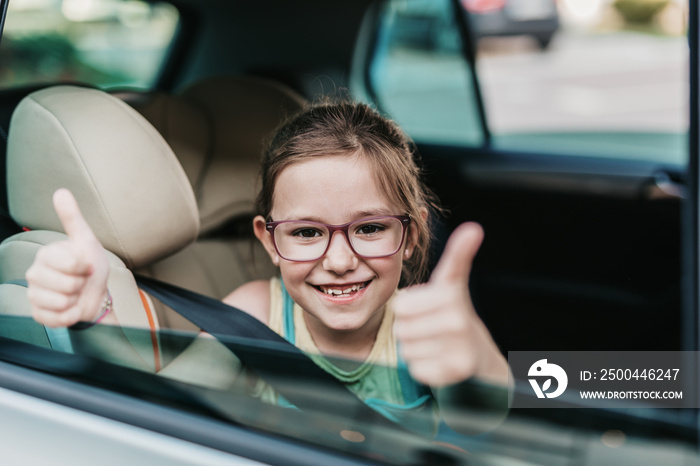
(344, 215)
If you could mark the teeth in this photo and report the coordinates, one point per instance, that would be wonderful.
(338, 292)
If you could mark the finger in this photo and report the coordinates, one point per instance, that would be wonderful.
(427, 372)
(55, 280)
(420, 300)
(41, 298)
(56, 319)
(422, 349)
(456, 260)
(432, 301)
(72, 219)
(45, 317)
(437, 373)
(437, 328)
(64, 257)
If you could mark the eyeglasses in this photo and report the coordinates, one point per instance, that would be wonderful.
(371, 237)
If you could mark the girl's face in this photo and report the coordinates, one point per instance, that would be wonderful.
(335, 191)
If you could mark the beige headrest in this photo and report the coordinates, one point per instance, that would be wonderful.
(128, 183)
(182, 125)
(243, 112)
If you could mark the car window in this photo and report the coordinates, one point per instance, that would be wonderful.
(101, 42)
(200, 377)
(599, 78)
(417, 63)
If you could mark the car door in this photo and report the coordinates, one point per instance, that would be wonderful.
(573, 159)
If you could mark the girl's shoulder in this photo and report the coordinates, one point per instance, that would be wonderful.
(252, 298)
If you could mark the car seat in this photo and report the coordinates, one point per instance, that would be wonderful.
(128, 183)
(217, 128)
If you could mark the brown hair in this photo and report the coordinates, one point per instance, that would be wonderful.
(344, 129)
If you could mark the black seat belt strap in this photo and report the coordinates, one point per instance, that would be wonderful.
(285, 367)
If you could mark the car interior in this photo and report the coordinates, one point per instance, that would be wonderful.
(581, 253)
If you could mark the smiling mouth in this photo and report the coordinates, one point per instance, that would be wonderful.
(342, 290)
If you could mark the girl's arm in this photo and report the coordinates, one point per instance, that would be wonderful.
(443, 340)
(252, 298)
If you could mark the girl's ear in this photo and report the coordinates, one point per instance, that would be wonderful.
(265, 238)
(412, 237)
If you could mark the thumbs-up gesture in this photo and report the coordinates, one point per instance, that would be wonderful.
(68, 279)
(441, 337)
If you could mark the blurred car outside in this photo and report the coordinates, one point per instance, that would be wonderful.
(424, 23)
(538, 19)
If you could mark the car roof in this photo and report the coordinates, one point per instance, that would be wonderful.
(307, 44)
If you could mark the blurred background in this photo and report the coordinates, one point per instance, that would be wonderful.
(606, 78)
(610, 63)
(550, 72)
(102, 42)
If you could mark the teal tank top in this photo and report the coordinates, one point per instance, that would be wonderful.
(389, 390)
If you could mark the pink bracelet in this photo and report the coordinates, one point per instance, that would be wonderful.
(106, 308)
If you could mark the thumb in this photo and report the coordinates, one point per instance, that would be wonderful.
(71, 218)
(456, 261)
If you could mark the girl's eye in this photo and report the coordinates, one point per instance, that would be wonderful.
(306, 233)
(370, 229)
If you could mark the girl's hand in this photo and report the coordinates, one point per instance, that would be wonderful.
(68, 279)
(441, 337)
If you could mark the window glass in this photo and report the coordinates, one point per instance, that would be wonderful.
(593, 77)
(100, 42)
(418, 64)
(200, 376)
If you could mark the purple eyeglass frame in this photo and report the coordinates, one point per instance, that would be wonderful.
(404, 219)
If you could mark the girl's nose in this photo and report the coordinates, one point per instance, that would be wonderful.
(339, 257)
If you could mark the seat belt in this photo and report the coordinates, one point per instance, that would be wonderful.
(279, 363)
